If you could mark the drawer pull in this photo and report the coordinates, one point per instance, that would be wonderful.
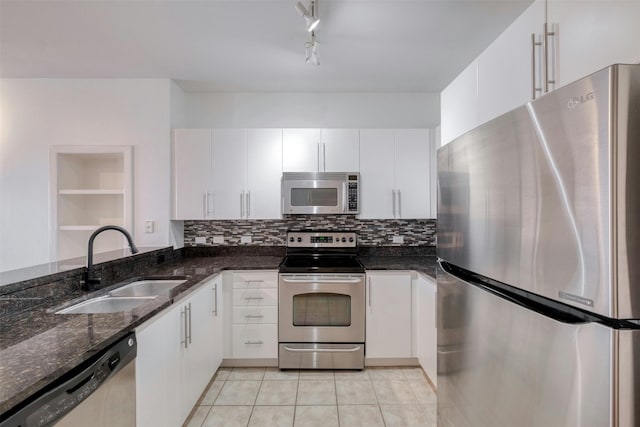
(250, 316)
(252, 298)
(254, 342)
(254, 281)
(323, 350)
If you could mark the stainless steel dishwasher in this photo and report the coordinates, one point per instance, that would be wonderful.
(99, 393)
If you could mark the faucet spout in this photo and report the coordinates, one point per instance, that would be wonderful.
(89, 279)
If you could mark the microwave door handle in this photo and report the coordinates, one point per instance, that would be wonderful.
(345, 200)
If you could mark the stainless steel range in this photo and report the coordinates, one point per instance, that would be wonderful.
(321, 302)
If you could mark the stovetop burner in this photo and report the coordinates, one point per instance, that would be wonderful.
(321, 252)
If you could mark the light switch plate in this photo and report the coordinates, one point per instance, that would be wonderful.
(398, 239)
(218, 239)
(245, 239)
(201, 240)
(148, 226)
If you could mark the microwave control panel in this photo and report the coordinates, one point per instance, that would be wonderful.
(352, 194)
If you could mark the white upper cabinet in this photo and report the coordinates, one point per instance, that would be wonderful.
(459, 104)
(505, 68)
(300, 150)
(192, 177)
(588, 36)
(593, 35)
(413, 157)
(340, 150)
(264, 173)
(229, 169)
(227, 173)
(320, 150)
(377, 173)
(395, 173)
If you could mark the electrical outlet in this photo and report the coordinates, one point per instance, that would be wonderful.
(148, 226)
(245, 239)
(201, 240)
(218, 239)
(398, 239)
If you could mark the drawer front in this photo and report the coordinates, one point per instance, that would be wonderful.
(250, 315)
(255, 341)
(255, 297)
(254, 280)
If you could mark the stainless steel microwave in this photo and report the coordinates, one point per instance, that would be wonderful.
(320, 193)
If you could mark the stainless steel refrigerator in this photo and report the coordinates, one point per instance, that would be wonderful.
(539, 247)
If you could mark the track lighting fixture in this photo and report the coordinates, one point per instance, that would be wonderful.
(309, 16)
(312, 50)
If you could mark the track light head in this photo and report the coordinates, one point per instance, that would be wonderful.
(310, 19)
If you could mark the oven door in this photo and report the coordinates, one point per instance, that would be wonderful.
(314, 196)
(321, 308)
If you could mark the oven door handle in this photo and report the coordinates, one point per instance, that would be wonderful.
(322, 350)
(341, 281)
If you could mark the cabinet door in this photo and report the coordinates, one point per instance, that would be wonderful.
(413, 156)
(158, 373)
(339, 151)
(592, 35)
(389, 311)
(376, 173)
(191, 173)
(229, 172)
(426, 326)
(459, 104)
(264, 173)
(198, 354)
(300, 150)
(505, 67)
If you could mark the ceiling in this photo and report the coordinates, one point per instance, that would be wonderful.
(247, 46)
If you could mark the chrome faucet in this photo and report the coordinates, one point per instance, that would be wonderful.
(89, 280)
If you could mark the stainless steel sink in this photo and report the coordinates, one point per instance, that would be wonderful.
(147, 287)
(106, 304)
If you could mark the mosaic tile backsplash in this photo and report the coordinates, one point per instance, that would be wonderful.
(371, 232)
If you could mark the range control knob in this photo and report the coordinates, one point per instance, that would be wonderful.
(291, 239)
(351, 239)
(299, 239)
(344, 239)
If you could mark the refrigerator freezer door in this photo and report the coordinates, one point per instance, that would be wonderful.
(546, 197)
(500, 364)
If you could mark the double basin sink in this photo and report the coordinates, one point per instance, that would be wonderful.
(126, 297)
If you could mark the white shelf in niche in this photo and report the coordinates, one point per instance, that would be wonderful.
(91, 186)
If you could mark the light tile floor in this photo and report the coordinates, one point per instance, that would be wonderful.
(268, 397)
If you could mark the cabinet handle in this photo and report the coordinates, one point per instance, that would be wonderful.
(183, 316)
(393, 202)
(252, 298)
(242, 204)
(318, 158)
(534, 88)
(208, 209)
(189, 307)
(250, 316)
(248, 204)
(324, 157)
(254, 342)
(205, 204)
(399, 204)
(215, 300)
(547, 62)
(369, 288)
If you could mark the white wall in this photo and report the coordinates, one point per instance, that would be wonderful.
(37, 113)
(313, 110)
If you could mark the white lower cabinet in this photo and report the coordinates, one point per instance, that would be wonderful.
(389, 315)
(178, 353)
(251, 326)
(425, 292)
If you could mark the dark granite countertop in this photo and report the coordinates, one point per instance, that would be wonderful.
(37, 347)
